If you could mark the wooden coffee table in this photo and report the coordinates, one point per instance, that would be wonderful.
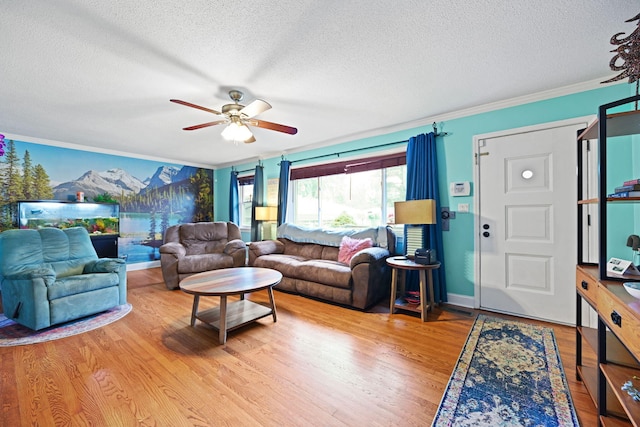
(231, 281)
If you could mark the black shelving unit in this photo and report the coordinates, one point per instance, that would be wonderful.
(607, 355)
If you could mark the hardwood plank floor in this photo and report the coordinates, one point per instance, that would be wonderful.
(319, 365)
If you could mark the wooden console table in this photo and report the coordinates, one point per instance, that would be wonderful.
(607, 357)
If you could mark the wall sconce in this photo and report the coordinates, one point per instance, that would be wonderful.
(268, 215)
(412, 213)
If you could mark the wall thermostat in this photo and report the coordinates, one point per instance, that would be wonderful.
(460, 188)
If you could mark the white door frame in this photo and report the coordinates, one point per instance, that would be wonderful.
(476, 172)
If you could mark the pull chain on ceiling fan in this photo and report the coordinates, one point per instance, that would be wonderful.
(238, 118)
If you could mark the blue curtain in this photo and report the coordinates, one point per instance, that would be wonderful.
(422, 183)
(258, 200)
(283, 191)
(234, 202)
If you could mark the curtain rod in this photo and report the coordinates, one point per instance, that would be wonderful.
(348, 151)
(247, 170)
(355, 150)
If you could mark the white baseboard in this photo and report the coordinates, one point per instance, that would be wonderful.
(461, 300)
(143, 265)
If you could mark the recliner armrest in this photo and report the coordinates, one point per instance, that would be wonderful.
(104, 265)
(234, 245)
(173, 248)
(369, 255)
(47, 274)
(264, 247)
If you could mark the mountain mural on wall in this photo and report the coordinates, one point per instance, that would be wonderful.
(119, 182)
(166, 175)
(152, 195)
(113, 181)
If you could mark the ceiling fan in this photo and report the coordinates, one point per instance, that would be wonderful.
(238, 117)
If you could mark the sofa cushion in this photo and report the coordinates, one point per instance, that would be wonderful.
(20, 250)
(332, 273)
(285, 264)
(204, 238)
(350, 247)
(71, 267)
(303, 250)
(326, 272)
(204, 262)
(83, 283)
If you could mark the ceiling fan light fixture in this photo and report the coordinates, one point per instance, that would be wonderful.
(236, 132)
(237, 117)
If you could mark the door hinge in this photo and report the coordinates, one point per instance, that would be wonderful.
(480, 154)
(588, 145)
(589, 220)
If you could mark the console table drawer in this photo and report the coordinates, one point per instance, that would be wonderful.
(587, 286)
(620, 319)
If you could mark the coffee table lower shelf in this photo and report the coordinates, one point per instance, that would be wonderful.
(239, 313)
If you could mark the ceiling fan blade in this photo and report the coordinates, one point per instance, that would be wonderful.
(256, 107)
(188, 104)
(273, 126)
(204, 125)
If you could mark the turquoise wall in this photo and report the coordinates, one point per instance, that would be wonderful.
(621, 217)
(455, 163)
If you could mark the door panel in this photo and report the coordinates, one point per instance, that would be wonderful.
(527, 222)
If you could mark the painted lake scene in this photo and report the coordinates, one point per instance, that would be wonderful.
(151, 195)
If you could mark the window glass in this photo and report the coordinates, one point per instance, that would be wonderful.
(306, 203)
(246, 198)
(395, 189)
(355, 200)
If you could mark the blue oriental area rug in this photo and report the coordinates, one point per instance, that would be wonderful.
(509, 374)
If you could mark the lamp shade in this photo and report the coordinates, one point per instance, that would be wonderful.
(266, 213)
(415, 212)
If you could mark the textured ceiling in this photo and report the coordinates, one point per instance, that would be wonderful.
(101, 73)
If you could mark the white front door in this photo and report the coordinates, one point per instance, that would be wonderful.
(526, 226)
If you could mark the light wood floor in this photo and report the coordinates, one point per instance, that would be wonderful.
(319, 365)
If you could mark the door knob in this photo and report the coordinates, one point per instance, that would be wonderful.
(486, 234)
(485, 226)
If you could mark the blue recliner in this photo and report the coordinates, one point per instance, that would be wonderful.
(50, 276)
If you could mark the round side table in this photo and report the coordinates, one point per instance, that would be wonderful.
(402, 264)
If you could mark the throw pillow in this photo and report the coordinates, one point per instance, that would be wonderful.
(349, 247)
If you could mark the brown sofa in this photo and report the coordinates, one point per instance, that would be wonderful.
(308, 261)
(201, 246)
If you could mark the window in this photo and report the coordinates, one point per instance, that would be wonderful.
(245, 194)
(357, 193)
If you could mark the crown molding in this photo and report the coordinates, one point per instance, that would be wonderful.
(485, 108)
(51, 142)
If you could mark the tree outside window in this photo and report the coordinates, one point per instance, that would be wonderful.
(355, 200)
(245, 191)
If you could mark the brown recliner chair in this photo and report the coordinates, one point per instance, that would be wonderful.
(201, 246)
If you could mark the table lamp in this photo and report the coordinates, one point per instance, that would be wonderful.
(412, 213)
(268, 215)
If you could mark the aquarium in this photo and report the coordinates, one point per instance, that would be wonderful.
(97, 218)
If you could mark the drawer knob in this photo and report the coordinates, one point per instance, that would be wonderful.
(585, 285)
(616, 318)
